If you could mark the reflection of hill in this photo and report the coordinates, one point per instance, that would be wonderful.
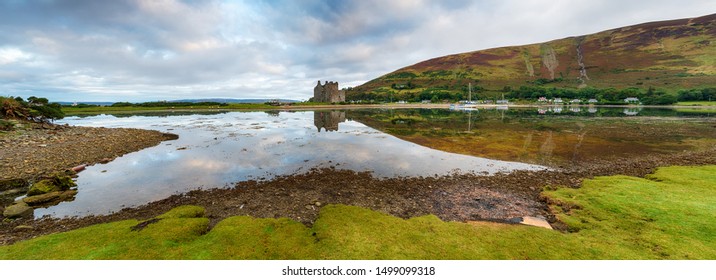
(552, 139)
(328, 120)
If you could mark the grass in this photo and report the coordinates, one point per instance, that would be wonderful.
(696, 103)
(667, 215)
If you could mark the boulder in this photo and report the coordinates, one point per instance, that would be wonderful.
(41, 198)
(63, 181)
(55, 183)
(49, 197)
(43, 187)
(18, 210)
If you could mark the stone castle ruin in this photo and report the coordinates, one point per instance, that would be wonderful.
(328, 92)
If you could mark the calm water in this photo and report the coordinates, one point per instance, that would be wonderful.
(551, 136)
(215, 150)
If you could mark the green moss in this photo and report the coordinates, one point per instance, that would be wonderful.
(43, 187)
(667, 215)
(248, 238)
(56, 182)
(186, 211)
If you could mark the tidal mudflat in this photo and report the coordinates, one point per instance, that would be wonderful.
(221, 149)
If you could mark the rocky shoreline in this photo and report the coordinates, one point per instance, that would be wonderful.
(463, 198)
(35, 153)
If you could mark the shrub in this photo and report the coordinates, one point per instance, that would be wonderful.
(11, 108)
(37, 109)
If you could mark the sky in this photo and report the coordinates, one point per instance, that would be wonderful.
(132, 50)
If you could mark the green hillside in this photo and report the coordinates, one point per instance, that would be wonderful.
(666, 57)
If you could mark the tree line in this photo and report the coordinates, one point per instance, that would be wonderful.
(37, 109)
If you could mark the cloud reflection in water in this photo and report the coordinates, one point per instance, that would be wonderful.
(217, 150)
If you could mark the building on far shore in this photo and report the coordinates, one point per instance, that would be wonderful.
(631, 100)
(328, 92)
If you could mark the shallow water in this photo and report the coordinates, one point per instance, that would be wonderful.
(216, 150)
(554, 136)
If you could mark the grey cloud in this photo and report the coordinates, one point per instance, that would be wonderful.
(134, 50)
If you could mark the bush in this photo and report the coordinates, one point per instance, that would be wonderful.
(12, 109)
(51, 111)
(36, 109)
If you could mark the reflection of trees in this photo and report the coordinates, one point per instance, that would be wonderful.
(161, 114)
(547, 148)
(328, 120)
(273, 113)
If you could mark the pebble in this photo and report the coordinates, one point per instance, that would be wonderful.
(23, 228)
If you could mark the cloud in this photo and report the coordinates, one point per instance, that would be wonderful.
(135, 50)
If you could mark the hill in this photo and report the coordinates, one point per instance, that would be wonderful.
(233, 100)
(667, 56)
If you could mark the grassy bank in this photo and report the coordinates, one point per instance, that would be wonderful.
(696, 103)
(667, 215)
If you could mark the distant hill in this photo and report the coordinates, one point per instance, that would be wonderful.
(64, 103)
(218, 100)
(231, 100)
(666, 55)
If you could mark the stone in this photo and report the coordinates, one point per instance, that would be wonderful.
(318, 204)
(42, 198)
(13, 192)
(23, 228)
(54, 183)
(18, 210)
(43, 187)
(535, 221)
(63, 181)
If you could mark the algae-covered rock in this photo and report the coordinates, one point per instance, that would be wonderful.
(50, 198)
(43, 187)
(12, 184)
(41, 198)
(18, 210)
(63, 181)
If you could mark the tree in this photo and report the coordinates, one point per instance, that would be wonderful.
(37, 101)
(36, 109)
(46, 112)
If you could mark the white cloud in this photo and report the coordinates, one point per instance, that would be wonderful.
(135, 50)
(13, 55)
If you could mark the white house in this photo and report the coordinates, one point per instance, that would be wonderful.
(631, 100)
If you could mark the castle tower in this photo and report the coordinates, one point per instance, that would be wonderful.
(328, 92)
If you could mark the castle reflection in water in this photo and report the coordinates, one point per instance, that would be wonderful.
(328, 119)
